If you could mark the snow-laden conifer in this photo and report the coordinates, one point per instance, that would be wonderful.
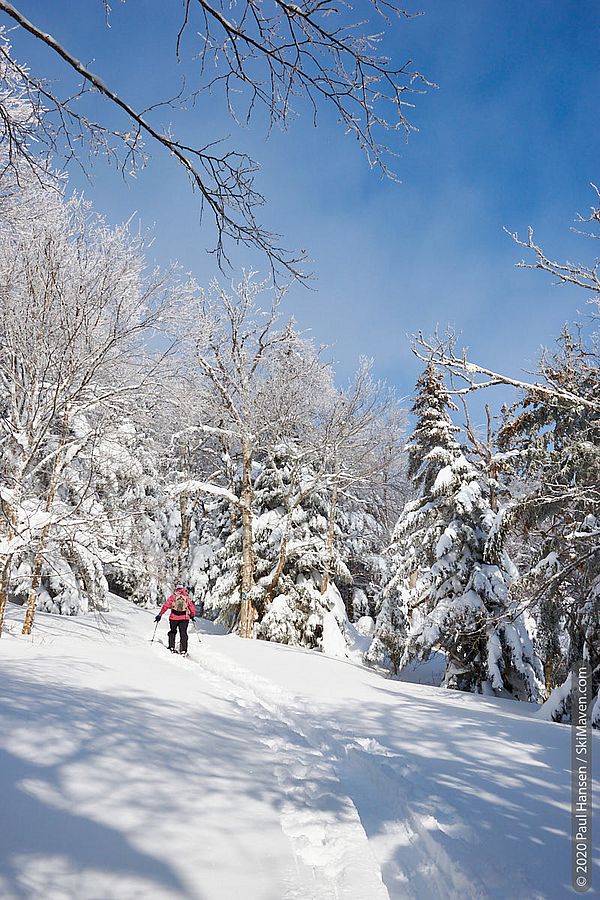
(552, 449)
(294, 554)
(361, 536)
(450, 590)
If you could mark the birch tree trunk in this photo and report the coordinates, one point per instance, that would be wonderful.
(36, 578)
(330, 535)
(9, 516)
(186, 521)
(184, 542)
(41, 548)
(4, 583)
(247, 611)
(8, 510)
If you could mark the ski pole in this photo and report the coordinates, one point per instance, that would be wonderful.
(196, 630)
(154, 634)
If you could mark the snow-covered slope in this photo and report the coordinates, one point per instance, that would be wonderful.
(251, 770)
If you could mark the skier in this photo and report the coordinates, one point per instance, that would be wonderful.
(182, 610)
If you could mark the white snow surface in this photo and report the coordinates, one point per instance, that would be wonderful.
(254, 771)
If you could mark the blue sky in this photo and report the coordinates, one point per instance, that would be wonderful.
(509, 138)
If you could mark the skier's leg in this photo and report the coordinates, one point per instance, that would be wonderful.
(183, 636)
(172, 633)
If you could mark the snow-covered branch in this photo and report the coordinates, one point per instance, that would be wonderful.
(441, 352)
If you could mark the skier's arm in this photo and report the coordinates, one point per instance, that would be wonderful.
(166, 605)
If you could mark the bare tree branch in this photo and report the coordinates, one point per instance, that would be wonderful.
(269, 53)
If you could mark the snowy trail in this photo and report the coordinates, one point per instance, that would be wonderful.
(114, 797)
(428, 871)
(319, 819)
(460, 796)
(251, 770)
(159, 777)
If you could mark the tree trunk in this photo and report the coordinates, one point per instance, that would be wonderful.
(330, 536)
(184, 542)
(186, 518)
(39, 556)
(10, 518)
(548, 677)
(279, 569)
(247, 610)
(35, 581)
(4, 583)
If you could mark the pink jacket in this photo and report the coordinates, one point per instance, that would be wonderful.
(179, 616)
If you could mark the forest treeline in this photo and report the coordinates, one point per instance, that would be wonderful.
(155, 432)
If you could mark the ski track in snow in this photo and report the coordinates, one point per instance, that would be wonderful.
(325, 827)
(317, 816)
(422, 850)
(364, 819)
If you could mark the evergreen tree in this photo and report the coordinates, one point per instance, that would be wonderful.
(554, 451)
(452, 574)
(211, 525)
(360, 536)
(142, 517)
(292, 555)
(218, 566)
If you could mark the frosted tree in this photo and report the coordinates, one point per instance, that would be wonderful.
(283, 486)
(432, 446)
(76, 313)
(553, 449)
(342, 459)
(24, 129)
(361, 433)
(71, 577)
(212, 519)
(277, 57)
(369, 486)
(294, 553)
(563, 452)
(453, 575)
(141, 517)
(187, 448)
(260, 379)
(303, 458)
(361, 535)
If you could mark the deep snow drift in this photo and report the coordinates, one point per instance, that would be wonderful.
(251, 770)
